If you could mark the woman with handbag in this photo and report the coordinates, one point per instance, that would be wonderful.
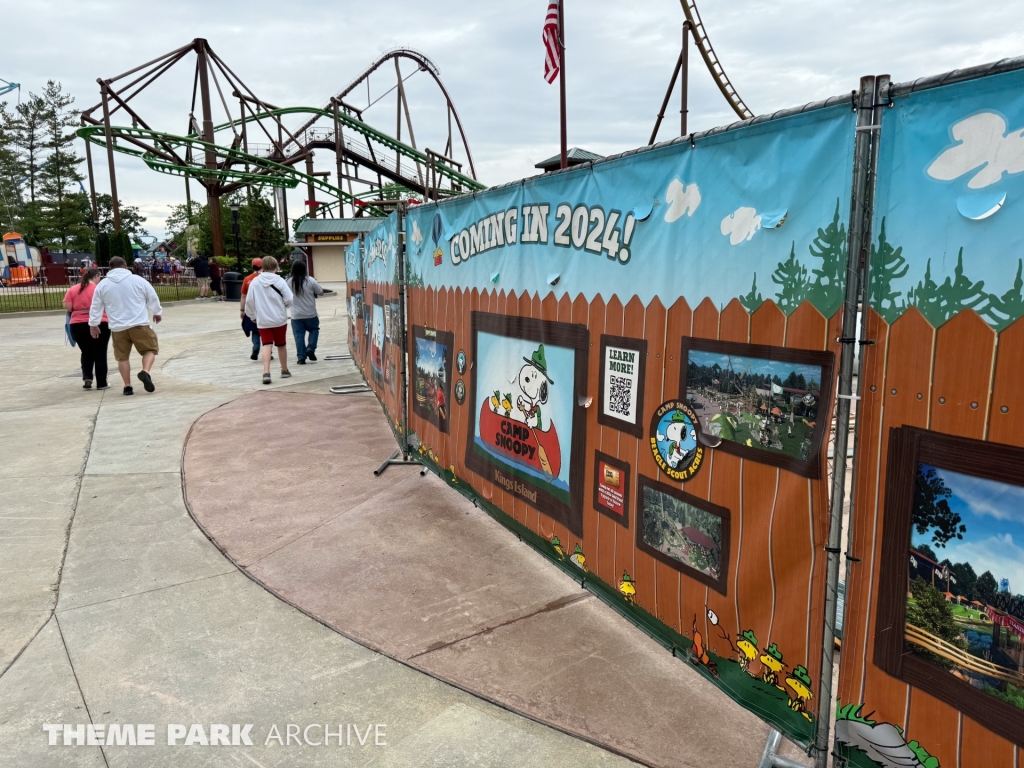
(77, 302)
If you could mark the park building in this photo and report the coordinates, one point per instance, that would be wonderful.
(324, 242)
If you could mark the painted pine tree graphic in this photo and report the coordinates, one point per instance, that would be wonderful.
(752, 300)
(791, 277)
(829, 248)
(1004, 310)
(887, 265)
(939, 303)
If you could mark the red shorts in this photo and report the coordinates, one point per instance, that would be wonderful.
(275, 336)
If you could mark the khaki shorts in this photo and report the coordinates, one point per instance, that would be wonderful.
(142, 337)
(203, 282)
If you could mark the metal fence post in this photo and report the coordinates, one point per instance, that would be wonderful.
(858, 251)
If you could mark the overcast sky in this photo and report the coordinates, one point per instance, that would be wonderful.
(620, 56)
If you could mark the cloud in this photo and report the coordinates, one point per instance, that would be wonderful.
(983, 144)
(1001, 501)
(741, 225)
(682, 200)
(417, 236)
(998, 554)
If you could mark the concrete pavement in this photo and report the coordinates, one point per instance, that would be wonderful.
(115, 608)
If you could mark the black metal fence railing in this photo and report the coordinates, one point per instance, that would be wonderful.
(29, 289)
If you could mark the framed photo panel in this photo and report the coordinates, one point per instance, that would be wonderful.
(612, 486)
(683, 531)
(432, 375)
(767, 404)
(621, 396)
(527, 424)
(950, 616)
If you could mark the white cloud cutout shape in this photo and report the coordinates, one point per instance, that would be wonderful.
(682, 200)
(741, 225)
(417, 236)
(983, 144)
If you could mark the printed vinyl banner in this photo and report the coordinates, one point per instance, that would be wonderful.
(933, 667)
(691, 491)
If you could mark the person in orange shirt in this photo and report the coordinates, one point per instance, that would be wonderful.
(247, 325)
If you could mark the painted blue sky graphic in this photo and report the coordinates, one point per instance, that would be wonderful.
(994, 515)
(429, 355)
(741, 364)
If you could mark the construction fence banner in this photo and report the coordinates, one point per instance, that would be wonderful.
(632, 365)
(376, 319)
(933, 652)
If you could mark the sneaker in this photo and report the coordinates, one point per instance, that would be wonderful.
(286, 374)
(87, 384)
(311, 356)
(255, 355)
(129, 391)
(147, 381)
(300, 361)
(104, 385)
(266, 378)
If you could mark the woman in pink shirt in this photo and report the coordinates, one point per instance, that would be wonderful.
(77, 302)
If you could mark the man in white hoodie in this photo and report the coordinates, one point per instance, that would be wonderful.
(267, 305)
(127, 300)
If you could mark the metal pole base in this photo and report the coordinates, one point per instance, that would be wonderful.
(349, 389)
(769, 759)
(337, 357)
(405, 461)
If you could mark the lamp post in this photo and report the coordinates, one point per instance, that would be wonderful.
(234, 228)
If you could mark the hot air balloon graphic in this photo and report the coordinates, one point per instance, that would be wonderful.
(435, 235)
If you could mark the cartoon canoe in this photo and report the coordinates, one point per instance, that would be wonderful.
(521, 444)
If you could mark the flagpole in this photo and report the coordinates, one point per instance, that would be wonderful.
(561, 78)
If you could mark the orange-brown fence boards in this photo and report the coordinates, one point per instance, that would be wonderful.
(603, 529)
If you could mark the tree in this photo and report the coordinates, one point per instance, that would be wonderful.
(791, 277)
(30, 134)
(752, 300)
(939, 303)
(1003, 311)
(887, 265)
(259, 233)
(932, 613)
(131, 218)
(966, 579)
(986, 588)
(61, 205)
(931, 511)
(121, 246)
(927, 551)
(10, 171)
(827, 287)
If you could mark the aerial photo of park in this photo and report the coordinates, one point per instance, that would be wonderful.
(764, 404)
(681, 531)
(965, 562)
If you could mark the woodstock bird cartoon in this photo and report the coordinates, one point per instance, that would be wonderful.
(578, 559)
(506, 403)
(627, 588)
(771, 660)
(747, 646)
(496, 401)
(800, 682)
(557, 544)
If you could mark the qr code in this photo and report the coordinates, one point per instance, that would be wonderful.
(620, 394)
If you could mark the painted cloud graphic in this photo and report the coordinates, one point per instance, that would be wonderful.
(983, 144)
(682, 200)
(741, 225)
(417, 236)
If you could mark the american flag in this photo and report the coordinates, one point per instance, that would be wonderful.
(552, 59)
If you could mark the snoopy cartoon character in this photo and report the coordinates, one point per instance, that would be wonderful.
(678, 432)
(533, 383)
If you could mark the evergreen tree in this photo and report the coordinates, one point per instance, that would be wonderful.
(59, 179)
(121, 245)
(752, 300)
(925, 296)
(828, 284)
(30, 134)
(131, 218)
(10, 171)
(259, 234)
(791, 277)
(960, 294)
(102, 251)
(887, 265)
(1002, 311)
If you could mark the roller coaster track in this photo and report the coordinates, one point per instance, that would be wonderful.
(354, 151)
(268, 172)
(700, 36)
(425, 65)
